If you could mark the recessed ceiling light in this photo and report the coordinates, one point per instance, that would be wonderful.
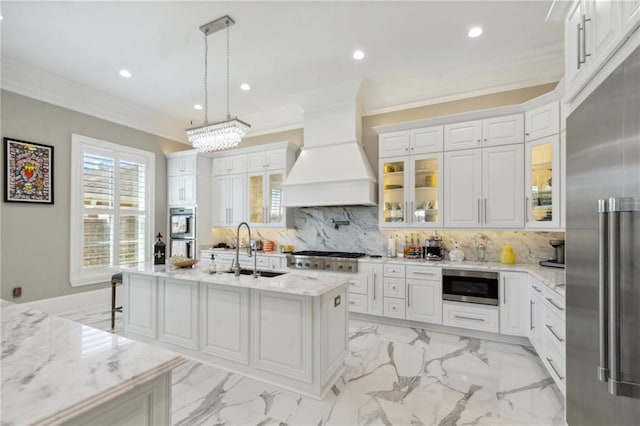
(245, 86)
(197, 106)
(125, 73)
(475, 32)
(358, 55)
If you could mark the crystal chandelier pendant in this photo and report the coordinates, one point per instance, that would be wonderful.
(223, 134)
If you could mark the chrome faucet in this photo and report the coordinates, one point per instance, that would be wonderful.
(237, 273)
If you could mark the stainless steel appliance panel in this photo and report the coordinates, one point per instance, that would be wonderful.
(603, 161)
(471, 286)
(182, 223)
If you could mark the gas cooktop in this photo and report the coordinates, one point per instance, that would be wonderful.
(324, 260)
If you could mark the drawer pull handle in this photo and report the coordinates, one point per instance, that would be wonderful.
(536, 289)
(554, 333)
(558, 307)
(423, 273)
(351, 302)
(553, 367)
(468, 318)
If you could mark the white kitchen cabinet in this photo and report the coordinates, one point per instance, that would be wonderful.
(229, 200)
(542, 121)
(594, 29)
(484, 187)
(182, 165)
(272, 159)
(424, 300)
(182, 190)
(503, 186)
(139, 305)
(514, 298)
(630, 15)
(230, 165)
(178, 312)
(503, 130)
(542, 181)
(463, 135)
(282, 334)
(265, 203)
(225, 322)
(359, 282)
(376, 292)
(411, 191)
(358, 303)
(409, 142)
(394, 308)
(471, 315)
(394, 144)
(462, 188)
(536, 317)
(394, 287)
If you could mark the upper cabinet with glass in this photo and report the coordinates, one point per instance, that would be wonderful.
(542, 158)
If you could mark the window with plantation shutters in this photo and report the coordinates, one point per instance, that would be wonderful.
(111, 208)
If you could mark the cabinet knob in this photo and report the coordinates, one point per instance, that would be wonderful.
(485, 139)
(479, 141)
(412, 147)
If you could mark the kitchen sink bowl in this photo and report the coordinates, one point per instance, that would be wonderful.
(266, 274)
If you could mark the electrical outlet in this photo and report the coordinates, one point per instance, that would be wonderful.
(17, 292)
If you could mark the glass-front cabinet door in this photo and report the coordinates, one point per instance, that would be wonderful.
(392, 196)
(411, 191)
(542, 158)
(265, 199)
(425, 198)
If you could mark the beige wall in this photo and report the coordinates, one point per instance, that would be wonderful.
(294, 136)
(35, 238)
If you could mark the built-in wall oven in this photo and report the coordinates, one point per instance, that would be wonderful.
(182, 223)
(471, 286)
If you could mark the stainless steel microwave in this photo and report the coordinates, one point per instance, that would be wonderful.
(471, 286)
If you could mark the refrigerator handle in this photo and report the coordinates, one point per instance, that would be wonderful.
(613, 277)
(603, 290)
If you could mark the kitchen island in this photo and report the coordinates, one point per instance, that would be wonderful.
(58, 371)
(290, 330)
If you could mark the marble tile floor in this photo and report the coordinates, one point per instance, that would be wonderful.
(394, 376)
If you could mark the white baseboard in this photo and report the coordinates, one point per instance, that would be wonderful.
(95, 299)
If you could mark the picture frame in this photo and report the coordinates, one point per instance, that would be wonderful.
(28, 172)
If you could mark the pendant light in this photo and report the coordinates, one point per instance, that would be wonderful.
(223, 134)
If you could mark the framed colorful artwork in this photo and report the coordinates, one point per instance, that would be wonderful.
(29, 172)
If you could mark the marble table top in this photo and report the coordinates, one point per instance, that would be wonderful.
(308, 283)
(54, 369)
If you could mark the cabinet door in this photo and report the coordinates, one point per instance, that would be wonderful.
(503, 130)
(359, 282)
(542, 180)
(394, 144)
(274, 205)
(183, 165)
(426, 140)
(230, 165)
(190, 190)
(603, 31)
(424, 301)
(176, 188)
(514, 298)
(426, 191)
(276, 159)
(140, 305)
(394, 193)
(256, 162)
(220, 199)
(376, 296)
(463, 135)
(237, 204)
(178, 312)
(503, 186)
(542, 121)
(462, 188)
(256, 199)
(575, 74)
(225, 322)
(630, 16)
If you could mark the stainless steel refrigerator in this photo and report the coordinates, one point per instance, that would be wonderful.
(603, 253)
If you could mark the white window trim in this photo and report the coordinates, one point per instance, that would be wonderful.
(77, 275)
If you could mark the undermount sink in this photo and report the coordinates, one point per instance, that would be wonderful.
(266, 274)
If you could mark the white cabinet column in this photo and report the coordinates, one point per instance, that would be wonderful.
(514, 300)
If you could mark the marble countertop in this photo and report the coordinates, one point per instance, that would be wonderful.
(309, 283)
(553, 278)
(54, 369)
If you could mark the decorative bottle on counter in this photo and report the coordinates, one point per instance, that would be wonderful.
(507, 256)
(456, 255)
(159, 251)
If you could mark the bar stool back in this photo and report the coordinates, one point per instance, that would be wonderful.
(115, 280)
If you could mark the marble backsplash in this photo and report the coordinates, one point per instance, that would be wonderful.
(313, 229)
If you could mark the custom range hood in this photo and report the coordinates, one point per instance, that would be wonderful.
(332, 168)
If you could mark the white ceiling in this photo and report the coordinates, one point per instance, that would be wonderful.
(416, 53)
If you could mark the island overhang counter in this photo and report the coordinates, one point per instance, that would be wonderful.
(290, 330)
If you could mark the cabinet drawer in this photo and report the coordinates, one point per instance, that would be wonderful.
(394, 287)
(357, 302)
(358, 284)
(424, 272)
(554, 361)
(554, 301)
(554, 330)
(394, 308)
(475, 317)
(394, 271)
